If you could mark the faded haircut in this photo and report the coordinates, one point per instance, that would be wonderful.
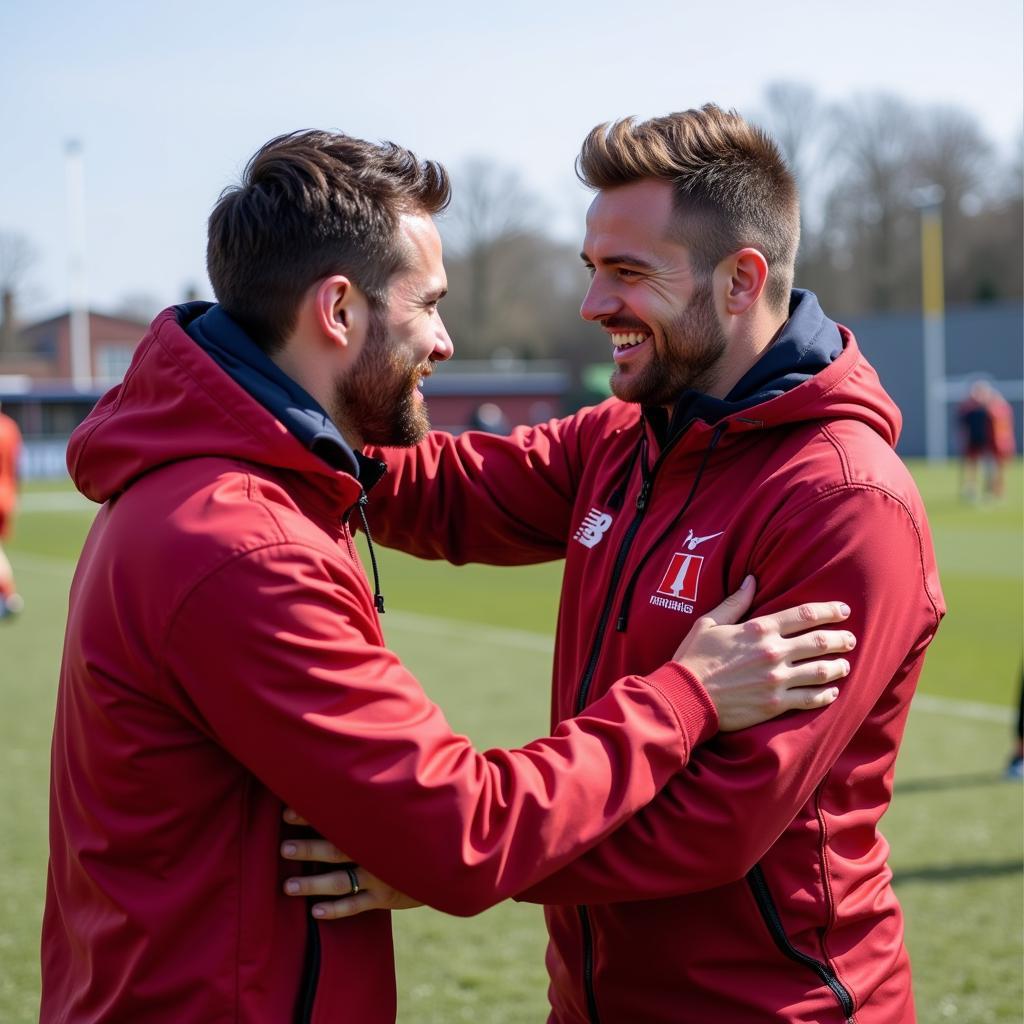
(311, 204)
(732, 186)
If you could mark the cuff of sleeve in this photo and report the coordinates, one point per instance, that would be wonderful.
(690, 701)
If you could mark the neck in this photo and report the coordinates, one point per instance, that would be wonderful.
(745, 349)
(320, 386)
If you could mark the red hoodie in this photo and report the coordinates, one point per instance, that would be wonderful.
(222, 657)
(755, 887)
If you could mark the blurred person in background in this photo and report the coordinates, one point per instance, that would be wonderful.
(1015, 769)
(986, 427)
(223, 651)
(747, 434)
(10, 450)
(488, 416)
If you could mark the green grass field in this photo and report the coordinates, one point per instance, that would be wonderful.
(955, 826)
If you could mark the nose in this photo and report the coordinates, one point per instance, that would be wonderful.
(599, 302)
(443, 347)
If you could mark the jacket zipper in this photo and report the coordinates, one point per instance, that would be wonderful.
(642, 502)
(609, 601)
(310, 969)
(770, 914)
(581, 701)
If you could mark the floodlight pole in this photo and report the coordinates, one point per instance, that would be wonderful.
(81, 349)
(933, 306)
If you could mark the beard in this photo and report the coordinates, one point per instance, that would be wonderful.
(377, 399)
(694, 343)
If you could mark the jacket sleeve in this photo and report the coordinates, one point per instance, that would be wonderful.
(274, 658)
(481, 497)
(717, 818)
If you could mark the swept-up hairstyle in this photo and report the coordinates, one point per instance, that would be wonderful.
(732, 187)
(311, 204)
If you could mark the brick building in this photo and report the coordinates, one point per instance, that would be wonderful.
(37, 390)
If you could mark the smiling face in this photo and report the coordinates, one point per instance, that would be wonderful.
(379, 398)
(659, 316)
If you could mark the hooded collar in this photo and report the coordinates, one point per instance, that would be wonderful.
(807, 343)
(231, 348)
(176, 402)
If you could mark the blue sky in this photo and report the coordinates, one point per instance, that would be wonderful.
(170, 99)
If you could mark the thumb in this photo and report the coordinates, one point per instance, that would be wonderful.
(735, 606)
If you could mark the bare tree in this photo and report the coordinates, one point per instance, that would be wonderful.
(793, 117)
(17, 256)
(869, 208)
(141, 306)
(490, 210)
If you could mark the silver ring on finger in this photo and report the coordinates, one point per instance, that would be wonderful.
(353, 877)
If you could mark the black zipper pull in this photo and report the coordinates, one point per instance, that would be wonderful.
(645, 493)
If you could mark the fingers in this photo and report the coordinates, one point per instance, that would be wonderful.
(735, 606)
(334, 883)
(293, 817)
(337, 883)
(349, 907)
(804, 617)
(816, 673)
(312, 849)
(808, 698)
(817, 644)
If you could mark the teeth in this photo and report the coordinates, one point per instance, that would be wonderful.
(627, 340)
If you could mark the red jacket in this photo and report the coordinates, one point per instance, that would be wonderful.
(755, 887)
(222, 657)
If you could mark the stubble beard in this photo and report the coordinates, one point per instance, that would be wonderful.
(376, 400)
(694, 344)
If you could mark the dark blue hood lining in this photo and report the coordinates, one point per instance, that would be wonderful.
(228, 345)
(807, 344)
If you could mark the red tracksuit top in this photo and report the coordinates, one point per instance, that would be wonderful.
(223, 657)
(755, 887)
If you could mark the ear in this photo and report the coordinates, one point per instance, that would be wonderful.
(338, 310)
(747, 271)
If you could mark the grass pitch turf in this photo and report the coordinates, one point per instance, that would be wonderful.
(479, 639)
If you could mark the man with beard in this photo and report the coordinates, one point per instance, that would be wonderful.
(747, 435)
(223, 651)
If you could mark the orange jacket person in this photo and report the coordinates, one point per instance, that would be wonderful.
(10, 447)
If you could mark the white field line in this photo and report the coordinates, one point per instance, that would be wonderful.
(539, 642)
(458, 629)
(502, 636)
(56, 501)
(962, 708)
(51, 565)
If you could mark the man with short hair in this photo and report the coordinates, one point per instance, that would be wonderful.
(747, 435)
(223, 651)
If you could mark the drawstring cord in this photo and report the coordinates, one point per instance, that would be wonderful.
(378, 597)
(619, 494)
(627, 597)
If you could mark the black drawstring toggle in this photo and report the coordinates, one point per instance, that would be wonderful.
(378, 597)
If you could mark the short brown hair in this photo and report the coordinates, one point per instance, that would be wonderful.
(311, 204)
(732, 185)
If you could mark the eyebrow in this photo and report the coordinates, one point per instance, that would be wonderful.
(436, 295)
(625, 257)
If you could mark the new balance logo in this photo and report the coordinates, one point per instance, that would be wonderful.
(691, 541)
(592, 529)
